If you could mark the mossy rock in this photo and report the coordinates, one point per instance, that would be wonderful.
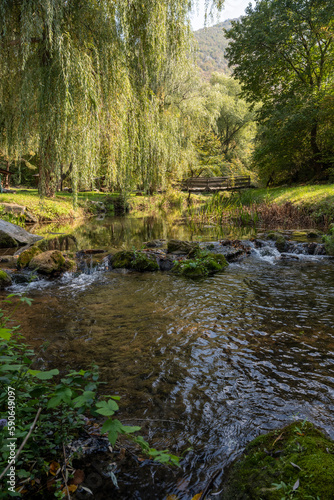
(280, 241)
(50, 263)
(5, 279)
(137, 261)
(204, 264)
(182, 247)
(143, 262)
(6, 241)
(298, 456)
(314, 233)
(26, 256)
(122, 260)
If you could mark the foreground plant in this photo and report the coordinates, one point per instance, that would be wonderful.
(42, 412)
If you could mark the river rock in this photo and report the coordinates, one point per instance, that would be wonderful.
(178, 247)
(138, 261)
(17, 233)
(155, 243)
(51, 263)
(26, 256)
(5, 280)
(299, 456)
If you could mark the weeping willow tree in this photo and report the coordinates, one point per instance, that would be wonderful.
(83, 85)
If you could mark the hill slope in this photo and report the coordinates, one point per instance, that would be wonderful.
(211, 48)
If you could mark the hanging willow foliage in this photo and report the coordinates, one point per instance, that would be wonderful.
(83, 83)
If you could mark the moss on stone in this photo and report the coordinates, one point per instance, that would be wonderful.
(122, 260)
(137, 261)
(280, 241)
(143, 262)
(204, 264)
(5, 279)
(298, 455)
(51, 262)
(26, 256)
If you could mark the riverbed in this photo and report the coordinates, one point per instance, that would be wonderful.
(204, 365)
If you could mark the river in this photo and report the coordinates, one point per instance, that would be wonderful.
(207, 364)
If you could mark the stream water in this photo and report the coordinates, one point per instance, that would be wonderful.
(206, 364)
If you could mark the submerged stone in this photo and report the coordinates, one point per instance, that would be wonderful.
(298, 460)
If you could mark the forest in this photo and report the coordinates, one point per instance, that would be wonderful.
(91, 90)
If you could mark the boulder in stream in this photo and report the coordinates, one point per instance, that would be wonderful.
(51, 263)
(298, 458)
(26, 256)
(138, 261)
(179, 247)
(16, 234)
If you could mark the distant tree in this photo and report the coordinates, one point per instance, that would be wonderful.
(282, 52)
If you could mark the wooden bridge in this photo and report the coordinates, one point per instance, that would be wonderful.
(213, 184)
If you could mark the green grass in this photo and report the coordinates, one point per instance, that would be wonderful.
(57, 209)
(316, 195)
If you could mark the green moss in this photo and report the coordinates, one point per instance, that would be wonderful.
(280, 241)
(26, 256)
(272, 464)
(51, 262)
(204, 264)
(138, 261)
(122, 260)
(144, 263)
(5, 279)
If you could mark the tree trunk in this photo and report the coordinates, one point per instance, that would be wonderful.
(316, 153)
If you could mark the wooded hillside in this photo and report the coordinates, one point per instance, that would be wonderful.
(211, 49)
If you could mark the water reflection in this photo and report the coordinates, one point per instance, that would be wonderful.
(129, 232)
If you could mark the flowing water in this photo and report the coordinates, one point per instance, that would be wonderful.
(206, 365)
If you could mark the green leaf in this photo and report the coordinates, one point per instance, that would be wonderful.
(110, 404)
(106, 412)
(46, 375)
(5, 333)
(128, 429)
(114, 428)
(55, 401)
(84, 398)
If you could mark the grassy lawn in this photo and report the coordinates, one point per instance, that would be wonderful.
(59, 208)
(300, 195)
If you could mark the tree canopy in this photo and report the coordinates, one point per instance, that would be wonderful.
(282, 52)
(83, 84)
